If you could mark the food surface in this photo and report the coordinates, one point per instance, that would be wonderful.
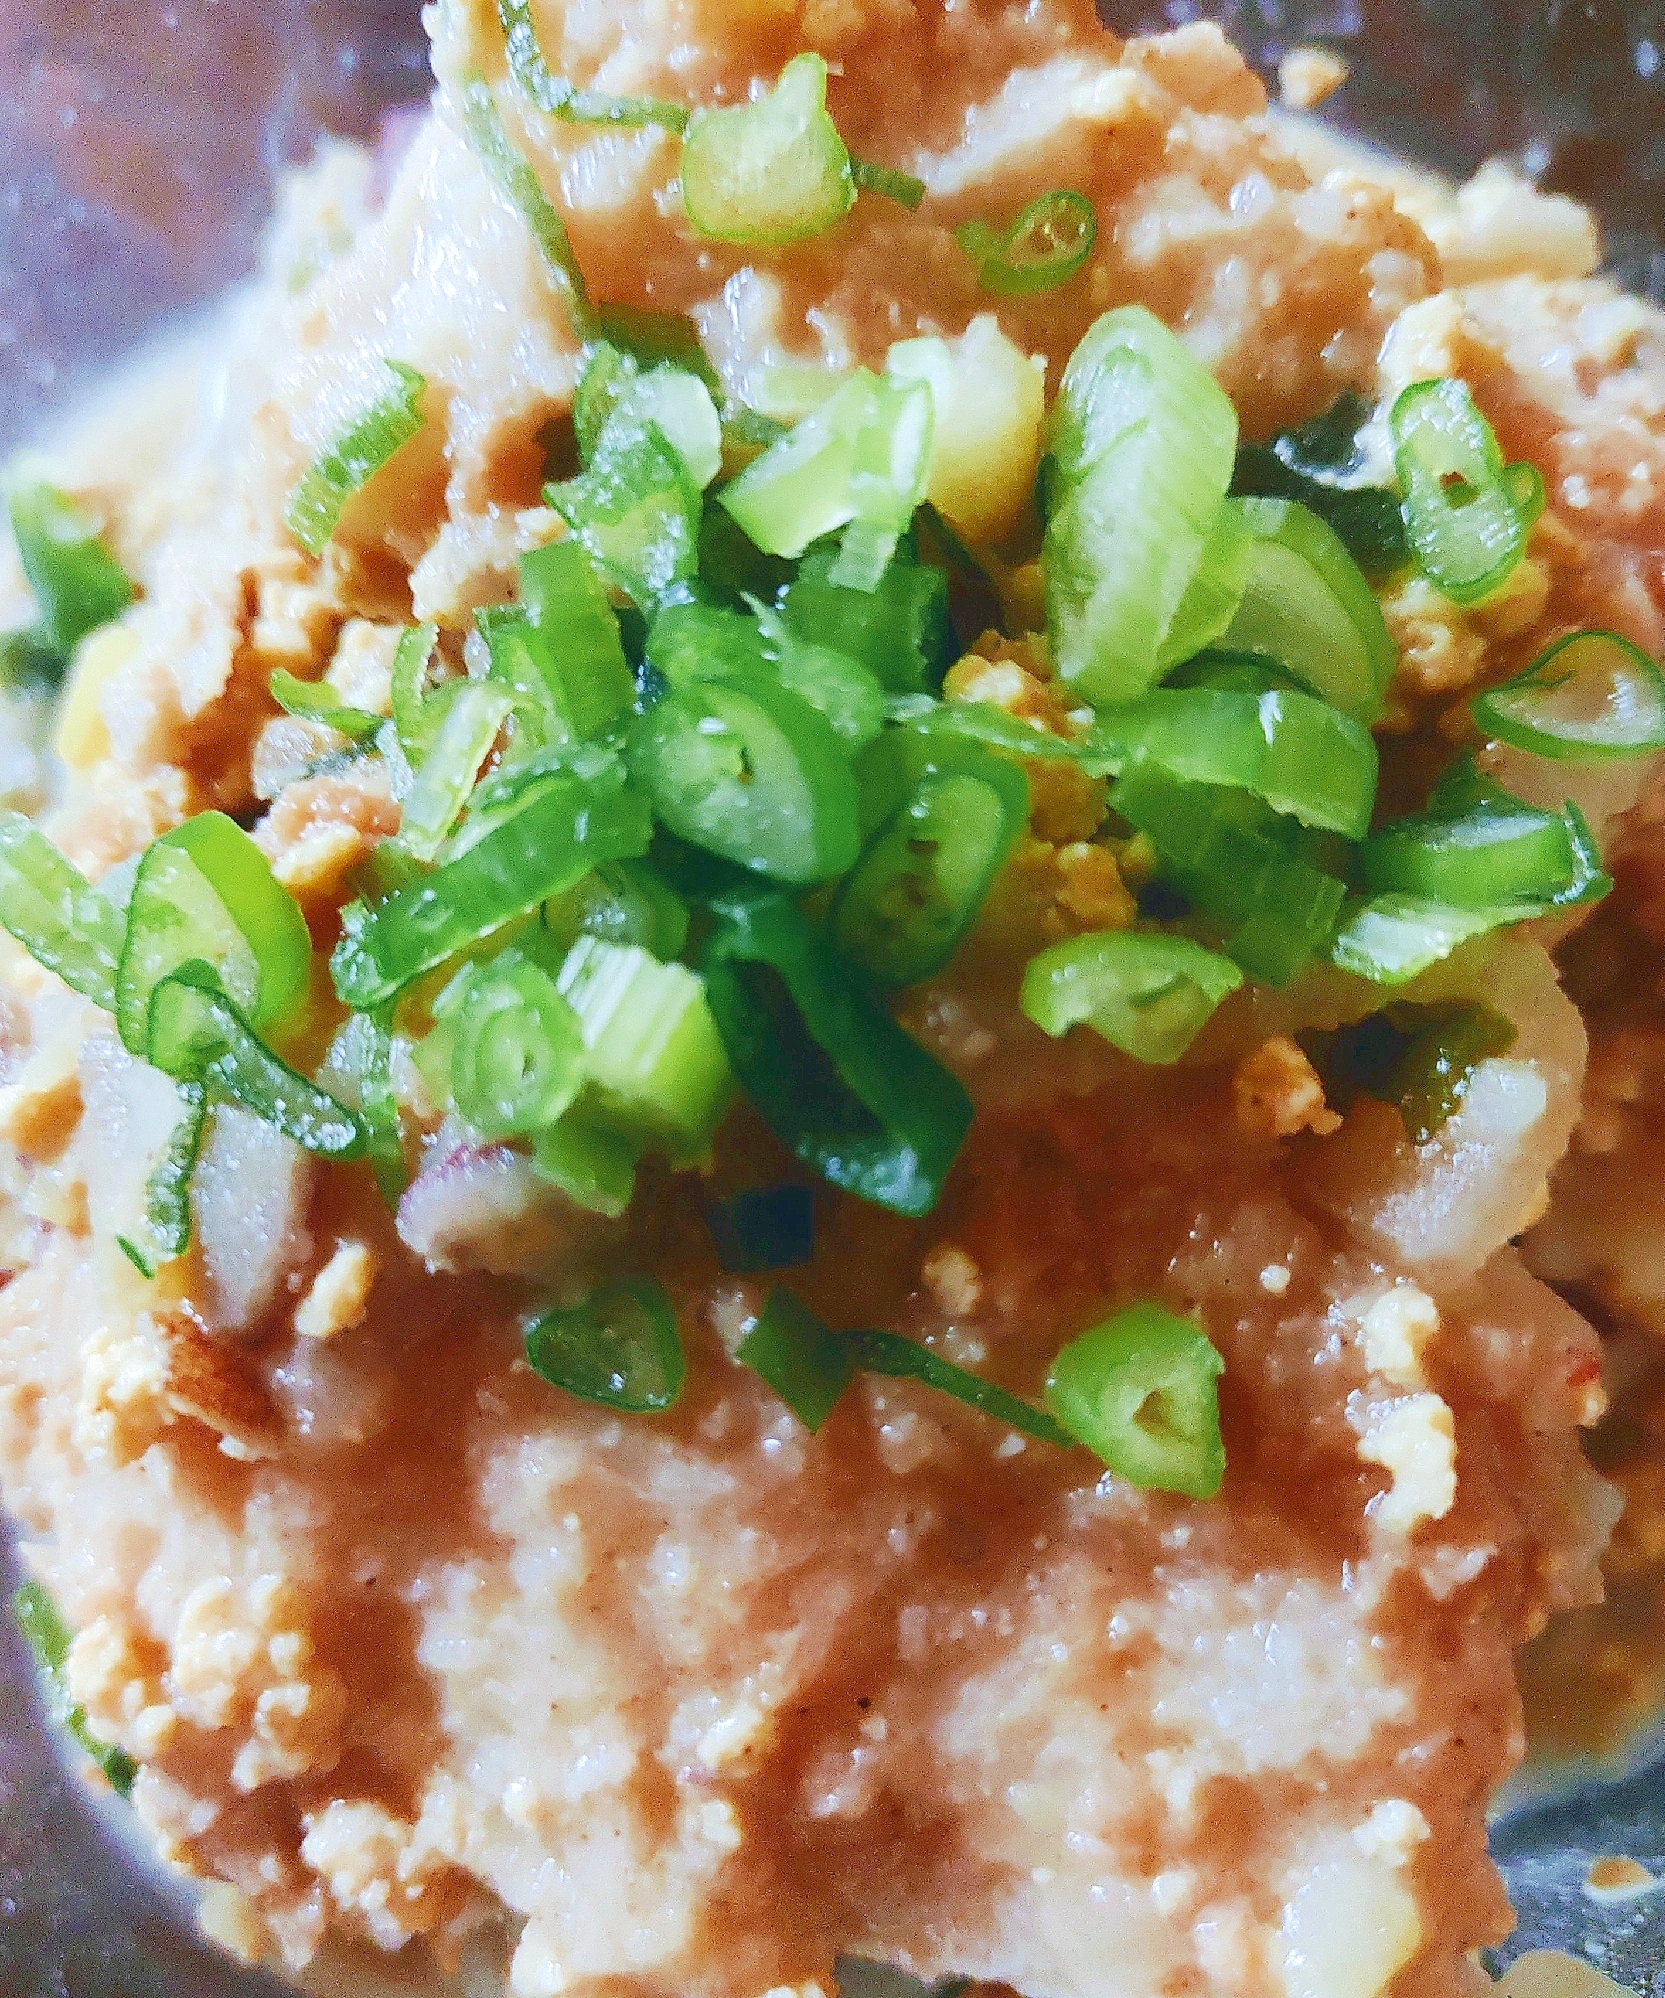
(780, 1010)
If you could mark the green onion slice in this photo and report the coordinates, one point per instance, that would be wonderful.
(1478, 847)
(197, 1035)
(472, 722)
(621, 902)
(418, 708)
(57, 915)
(889, 1354)
(1308, 606)
(78, 584)
(858, 462)
(362, 449)
(1322, 464)
(619, 1348)
(545, 840)
(206, 891)
(559, 98)
(1421, 1059)
(635, 509)
(772, 171)
(1466, 520)
(654, 1060)
(1045, 247)
(754, 774)
(1298, 754)
(1592, 696)
(513, 173)
(595, 1168)
(833, 1075)
(1241, 865)
(806, 1363)
(517, 1058)
(899, 631)
(1141, 1391)
(763, 1228)
(315, 700)
(1142, 450)
(891, 182)
(1390, 939)
(677, 400)
(49, 1638)
(946, 813)
(1150, 996)
(167, 1216)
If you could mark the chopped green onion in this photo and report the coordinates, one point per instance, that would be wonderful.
(1301, 756)
(547, 839)
(1045, 247)
(858, 462)
(1476, 847)
(362, 449)
(1307, 606)
(654, 1060)
(678, 400)
(557, 97)
(167, 1217)
(206, 891)
(57, 915)
(651, 337)
(1465, 527)
(891, 182)
(560, 652)
(754, 774)
(514, 175)
(1527, 492)
(622, 902)
(1243, 867)
(619, 1348)
(1321, 464)
(363, 1055)
(763, 1228)
(700, 642)
(899, 631)
(947, 814)
(772, 171)
(445, 777)
(636, 509)
(1390, 939)
(1142, 448)
(49, 1638)
(1150, 996)
(517, 1059)
(1420, 1059)
(198, 1035)
(316, 700)
(833, 1075)
(1590, 697)
(806, 1363)
(1099, 750)
(594, 1168)
(418, 709)
(899, 1359)
(78, 584)
(1141, 1391)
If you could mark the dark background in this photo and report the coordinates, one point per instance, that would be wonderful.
(138, 147)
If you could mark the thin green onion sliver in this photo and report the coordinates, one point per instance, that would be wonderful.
(315, 700)
(348, 465)
(558, 97)
(78, 584)
(57, 915)
(49, 1638)
(513, 173)
(1591, 697)
(891, 182)
(806, 1363)
(1141, 1391)
(1046, 246)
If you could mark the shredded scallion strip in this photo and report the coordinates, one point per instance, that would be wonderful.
(392, 420)
(558, 97)
(514, 175)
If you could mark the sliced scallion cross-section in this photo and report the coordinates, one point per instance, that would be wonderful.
(1467, 522)
(349, 464)
(772, 171)
(1046, 246)
(517, 1053)
(1591, 697)
(1141, 1391)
